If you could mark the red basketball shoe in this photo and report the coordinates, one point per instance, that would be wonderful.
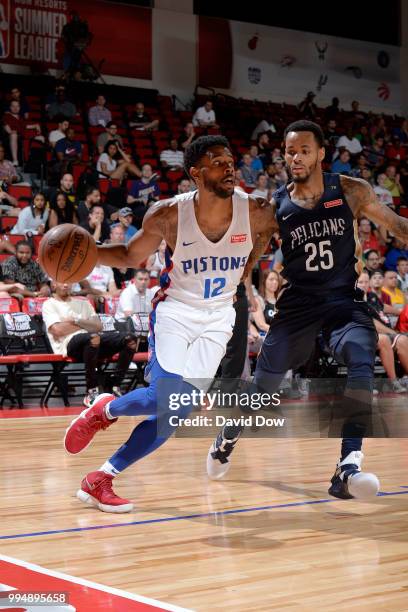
(96, 490)
(82, 429)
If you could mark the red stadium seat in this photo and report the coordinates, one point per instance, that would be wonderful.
(9, 305)
(140, 135)
(106, 184)
(7, 223)
(36, 241)
(20, 191)
(150, 160)
(33, 306)
(77, 170)
(142, 143)
(163, 186)
(175, 175)
(14, 238)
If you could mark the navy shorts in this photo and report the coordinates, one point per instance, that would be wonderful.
(344, 321)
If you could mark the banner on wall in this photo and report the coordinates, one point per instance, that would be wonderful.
(30, 33)
(251, 61)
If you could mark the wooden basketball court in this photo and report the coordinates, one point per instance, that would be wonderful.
(268, 537)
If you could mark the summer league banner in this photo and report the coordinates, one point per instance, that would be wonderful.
(201, 407)
(30, 34)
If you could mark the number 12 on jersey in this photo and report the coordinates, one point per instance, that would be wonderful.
(213, 287)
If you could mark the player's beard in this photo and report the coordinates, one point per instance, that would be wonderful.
(218, 189)
(308, 172)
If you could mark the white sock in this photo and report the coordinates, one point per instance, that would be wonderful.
(108, 468)
(108, 414)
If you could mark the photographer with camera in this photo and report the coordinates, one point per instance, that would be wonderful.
(142, 194)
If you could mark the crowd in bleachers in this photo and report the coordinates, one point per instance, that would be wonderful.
(102, 163)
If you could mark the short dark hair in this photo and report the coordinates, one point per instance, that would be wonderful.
(90, 190)
(198, 148)
(24, 243)
(60, 118)
(110, 123)
(92, 209)
(401, 259)
(303, 125)
(141, 271)
(369, 251)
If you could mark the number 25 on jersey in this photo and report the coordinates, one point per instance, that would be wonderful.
(320, 256)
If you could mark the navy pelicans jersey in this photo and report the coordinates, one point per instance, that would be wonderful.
(320, 246)
(204, 273)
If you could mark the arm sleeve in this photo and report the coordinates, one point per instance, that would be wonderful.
(49, 315)
(8, 270)
(41, 275)
(109, 276)
(101, 140)
(125, 300)
(89, 309)
(60, 146)
(91, 116)
(22, 221)
(134, 189)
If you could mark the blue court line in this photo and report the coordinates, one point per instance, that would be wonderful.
(185, 517)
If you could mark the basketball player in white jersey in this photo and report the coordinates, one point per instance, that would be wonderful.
(214, 235)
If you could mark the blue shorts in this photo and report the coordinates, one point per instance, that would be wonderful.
(299, 320)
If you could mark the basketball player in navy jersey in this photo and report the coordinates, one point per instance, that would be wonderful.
(214, 235)
(316, 213)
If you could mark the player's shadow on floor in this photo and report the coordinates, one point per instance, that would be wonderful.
(256, 530)
(303, 492)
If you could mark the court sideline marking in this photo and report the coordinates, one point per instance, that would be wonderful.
(94, 585)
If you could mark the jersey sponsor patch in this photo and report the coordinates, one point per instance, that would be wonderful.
(333, 203)
(239, 238)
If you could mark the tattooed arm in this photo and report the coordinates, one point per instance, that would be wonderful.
(363, 202)
(263, 225)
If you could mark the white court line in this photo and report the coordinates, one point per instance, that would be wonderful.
(94, 585)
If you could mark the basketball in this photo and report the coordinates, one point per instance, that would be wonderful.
(68, 253)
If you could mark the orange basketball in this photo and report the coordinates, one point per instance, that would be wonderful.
(67, 253)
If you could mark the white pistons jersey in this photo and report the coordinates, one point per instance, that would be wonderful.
(204, 273)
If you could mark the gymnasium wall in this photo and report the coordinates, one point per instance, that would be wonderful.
(282, 64)
(172, 50)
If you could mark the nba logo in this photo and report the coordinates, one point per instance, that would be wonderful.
(4, 28)
(9, 322)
